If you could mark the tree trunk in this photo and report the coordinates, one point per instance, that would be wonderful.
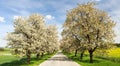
(28, 56)
(91, 57)
(38, 55)
(48, 52)
(75, 53)
(81, 55)
(28, 59)
(42, 55)
(54, 51)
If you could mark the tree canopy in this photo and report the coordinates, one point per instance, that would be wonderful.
(92, 27)
(32, 36)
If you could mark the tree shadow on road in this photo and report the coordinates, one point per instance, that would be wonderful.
(59, 57)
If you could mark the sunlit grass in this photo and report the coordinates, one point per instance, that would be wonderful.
(109, 58)
(17, 61)
(5, 51)
(97, 61)
(12, 60)
(7, 59)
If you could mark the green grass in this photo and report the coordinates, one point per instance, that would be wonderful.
(97, 61)
(6, 51)
(11, 60)
(14, 61)
(6, 59)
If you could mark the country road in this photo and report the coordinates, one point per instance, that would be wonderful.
(59, 60)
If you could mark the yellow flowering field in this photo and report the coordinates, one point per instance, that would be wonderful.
(115, 52)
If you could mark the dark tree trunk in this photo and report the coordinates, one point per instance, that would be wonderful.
(42, 54)
(54, 51)
(28, 56)
(38, 55)
(91, 53)
(91, 56)
(48, 52)
(28, 59)
(81, 55)
(76, 52)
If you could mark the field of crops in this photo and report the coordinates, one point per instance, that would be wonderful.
(115, 52)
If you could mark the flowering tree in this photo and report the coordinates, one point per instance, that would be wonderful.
(30, 36)
(92, 26)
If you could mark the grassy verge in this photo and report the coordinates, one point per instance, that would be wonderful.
(6, 59)
(97, 61)
(6, 51)
(14, 61)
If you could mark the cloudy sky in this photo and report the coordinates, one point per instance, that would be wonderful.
(53, 10)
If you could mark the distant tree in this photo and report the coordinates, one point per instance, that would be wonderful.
(92, 26)
(52, 39)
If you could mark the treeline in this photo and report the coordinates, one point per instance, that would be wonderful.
(32, 36)
(117, 44)
(87, 28)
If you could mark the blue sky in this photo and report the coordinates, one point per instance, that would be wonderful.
(53, 10)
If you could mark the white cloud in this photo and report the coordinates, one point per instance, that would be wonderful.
(115, 16)
(116, 29)
(49, 17)
(16, 17)
(59, 26)
(3, 43)
(2, 19)
(117, 33)
(3, 33)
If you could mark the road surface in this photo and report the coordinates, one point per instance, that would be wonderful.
(59, 60)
